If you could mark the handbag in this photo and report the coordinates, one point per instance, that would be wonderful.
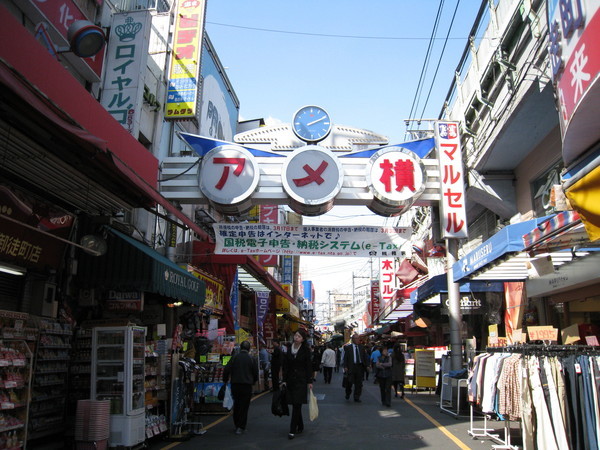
(345, 381)
(221, 393)
(279, 406)
(313, 407)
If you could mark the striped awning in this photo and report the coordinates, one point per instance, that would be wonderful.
(552, 228)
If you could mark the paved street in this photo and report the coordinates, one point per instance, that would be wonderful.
(413, 423)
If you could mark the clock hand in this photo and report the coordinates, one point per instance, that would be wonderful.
(315, 121)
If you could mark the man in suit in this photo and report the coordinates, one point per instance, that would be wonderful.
(355, 363)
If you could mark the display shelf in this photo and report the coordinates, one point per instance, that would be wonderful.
(47, 412)
(15, 391)
(79, 370)
(155, 388)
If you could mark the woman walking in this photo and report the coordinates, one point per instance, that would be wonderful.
(297, 376)
(383, 375)
(398, 368)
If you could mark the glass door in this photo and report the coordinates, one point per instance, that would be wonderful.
(109, 367)
(138, 348)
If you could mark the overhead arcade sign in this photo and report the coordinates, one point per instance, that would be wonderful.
(272, 168)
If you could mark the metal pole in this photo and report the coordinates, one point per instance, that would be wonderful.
(455, 317)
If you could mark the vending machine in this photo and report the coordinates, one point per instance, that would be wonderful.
(118, 375)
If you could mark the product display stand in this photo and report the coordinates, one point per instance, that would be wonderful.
(48, 402)
(15, 392)
(446, 394)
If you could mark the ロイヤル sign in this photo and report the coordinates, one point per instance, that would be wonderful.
(309, 240)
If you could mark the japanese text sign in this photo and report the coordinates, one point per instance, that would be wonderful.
(229, 174)
(387, 279)
(182, 91)
(375, 299)
(396, 176)
(309, 240)
(453, 218)
(312, 175)
(574, 50)
(268, 214)
(126, 59)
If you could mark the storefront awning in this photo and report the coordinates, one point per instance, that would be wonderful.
(563, 230)
(506, 242)
(129, 264)
(63, 142)
(399, 307)
(439, 285)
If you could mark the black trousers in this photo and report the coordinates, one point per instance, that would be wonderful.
(355, 378)
(241, 394)
(327, 373)
(296, 424)
(385, 389)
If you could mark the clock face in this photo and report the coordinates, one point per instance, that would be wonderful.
(311, 124)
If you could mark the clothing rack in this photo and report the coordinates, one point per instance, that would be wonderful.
(505, 443)
(544, 349)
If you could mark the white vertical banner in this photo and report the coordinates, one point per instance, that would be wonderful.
(126, 65)
(387, 279)
(453, 215)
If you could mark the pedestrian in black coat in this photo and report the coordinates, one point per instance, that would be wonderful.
(297, 376)
(243, 370)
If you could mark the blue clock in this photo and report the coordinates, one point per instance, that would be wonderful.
(311, 123)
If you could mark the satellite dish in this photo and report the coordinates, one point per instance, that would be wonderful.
(93, 244)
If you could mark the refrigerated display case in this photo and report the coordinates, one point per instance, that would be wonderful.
(118, 375)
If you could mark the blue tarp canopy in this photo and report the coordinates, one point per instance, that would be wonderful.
(439, 285)
(508, 240)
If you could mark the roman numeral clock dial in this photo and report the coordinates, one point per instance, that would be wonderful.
(311, 124)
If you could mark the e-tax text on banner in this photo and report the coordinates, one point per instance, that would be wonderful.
(309, 240)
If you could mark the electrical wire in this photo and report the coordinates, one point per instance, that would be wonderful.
(182, 173)
(440, 59)
(426, 61)
(339, 36)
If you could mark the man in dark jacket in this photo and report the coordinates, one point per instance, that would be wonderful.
(356, 362)
(243, 370)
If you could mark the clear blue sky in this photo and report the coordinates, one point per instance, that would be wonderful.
(368, 81)
(359, 60)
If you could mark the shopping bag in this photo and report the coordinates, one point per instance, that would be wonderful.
(221, 393)
(228, 399)
(279, 406)
(313, 408)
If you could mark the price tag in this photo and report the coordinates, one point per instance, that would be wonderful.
(4, 363)
(162, 427)
(544, 333)
(577, 368)
(149, 432)
(7, 405)
(10, 384)
(155, 430)
(19, 362)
